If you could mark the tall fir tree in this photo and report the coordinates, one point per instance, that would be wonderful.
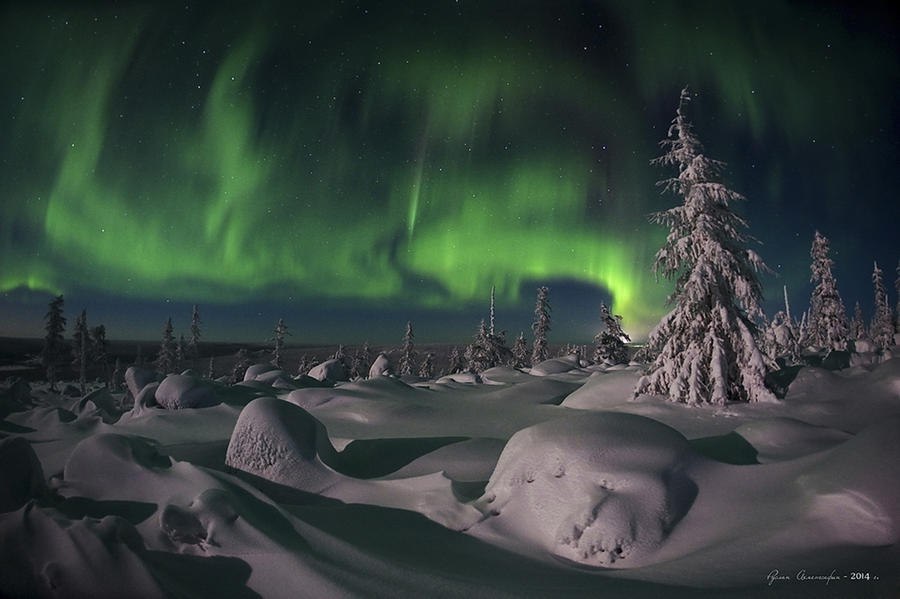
(541, 326)
(54, 344)
(610, 341)
(81, 339)
(406, 363)
(278, 336)
(705, 350)
(165, 361)
(491, 330)
(827, 323)
(882, 328)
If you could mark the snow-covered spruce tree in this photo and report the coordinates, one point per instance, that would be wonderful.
(211, 369)
(781, 340)
(278, 334)
(455, 363)
(705, 349)
(857, 324)
(193, 344)
(165, 361)
(882, 328)
(520, 352)
(610, 341)
(81, 341)
(407, 359)
(426, 370)
(361, 361)
(241, 364)
(827, 322)
(541, 326)
(479, 354)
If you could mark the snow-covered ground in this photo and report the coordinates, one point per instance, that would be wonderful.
(548, 483)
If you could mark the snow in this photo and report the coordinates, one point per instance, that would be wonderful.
(548, 482)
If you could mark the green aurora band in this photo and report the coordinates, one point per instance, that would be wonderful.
(241, 159)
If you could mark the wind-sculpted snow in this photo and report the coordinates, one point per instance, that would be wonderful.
(557, 485)
(180, 391)
(281, 442)
(595, 489)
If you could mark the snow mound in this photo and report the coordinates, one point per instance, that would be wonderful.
(599, 490)
(137, 378)
(471, 378)
(381, 366)
(330, 370)
(45, 554)
(178, 392)
(103, 402)
(603, 389)
(281, 442)
(254, 371)
(778, 439)
(21, 475)
(555, 366)
(123, 457)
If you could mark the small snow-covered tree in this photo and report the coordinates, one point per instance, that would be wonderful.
(455, 363)
(610, 341)
(241, 364)
(827, 322)
(479, 354)
(165, 361)
(81, 338)
(520, 352)
(278, 335)
(426, 370)
(407, 359)
(361, 361)
(541, 326)
(781, 342)
(211, 369)
(882, 328)
(193, 344)
(705, 350)
(857, 324)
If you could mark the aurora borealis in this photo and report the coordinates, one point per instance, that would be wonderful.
(338, 164)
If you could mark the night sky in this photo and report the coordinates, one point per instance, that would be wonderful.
(349, 166)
